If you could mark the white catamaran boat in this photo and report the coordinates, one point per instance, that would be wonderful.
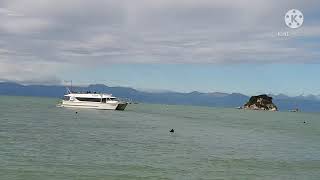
(92, 101)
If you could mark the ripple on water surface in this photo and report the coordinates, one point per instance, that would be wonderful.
(41, 141)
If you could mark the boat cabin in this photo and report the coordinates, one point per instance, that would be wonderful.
(103, 98)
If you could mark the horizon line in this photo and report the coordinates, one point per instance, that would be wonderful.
(151, 90)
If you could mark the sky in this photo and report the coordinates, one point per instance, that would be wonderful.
(176, 45)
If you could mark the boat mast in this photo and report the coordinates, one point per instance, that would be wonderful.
(71, 85)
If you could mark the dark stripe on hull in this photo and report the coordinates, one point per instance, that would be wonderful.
(121, 107)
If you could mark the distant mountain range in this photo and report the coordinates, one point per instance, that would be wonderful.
(309, 103)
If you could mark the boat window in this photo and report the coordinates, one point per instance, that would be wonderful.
(111, 99)
(89, 99)
(67, 98)
(104, 100)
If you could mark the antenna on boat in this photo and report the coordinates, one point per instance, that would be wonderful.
(71, 85)
(69, 91)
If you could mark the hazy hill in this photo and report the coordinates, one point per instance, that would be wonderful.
(218, 99)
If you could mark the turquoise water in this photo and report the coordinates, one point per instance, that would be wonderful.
(39, 141)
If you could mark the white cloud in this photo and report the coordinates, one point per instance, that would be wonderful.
(29, 73)
(59, 33)
(24, 25)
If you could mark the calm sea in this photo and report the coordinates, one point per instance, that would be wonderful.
(39, 141)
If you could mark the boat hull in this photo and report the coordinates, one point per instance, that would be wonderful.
(94, 105)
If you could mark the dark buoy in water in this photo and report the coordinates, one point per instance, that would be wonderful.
(76, 115)
(304, 122)
(172, 130)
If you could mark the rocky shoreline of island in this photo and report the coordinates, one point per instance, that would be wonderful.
(261, 102)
